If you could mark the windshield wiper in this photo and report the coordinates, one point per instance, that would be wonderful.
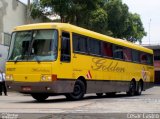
(16, 59)
(37, 59)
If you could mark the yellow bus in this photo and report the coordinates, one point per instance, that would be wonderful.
(49, 59)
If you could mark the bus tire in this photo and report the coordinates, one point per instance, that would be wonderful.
(78, 92)
(139, 88)
(111, 94)
(39, 97)
(99, 94)
(132, 88)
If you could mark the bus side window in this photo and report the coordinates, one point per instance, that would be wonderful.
(65, 47)
(118, 52)
(127, 54)
(143, 58)
(136, 56)
(150, 59)
(106, 49)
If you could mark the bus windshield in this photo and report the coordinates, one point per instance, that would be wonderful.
(35, 45)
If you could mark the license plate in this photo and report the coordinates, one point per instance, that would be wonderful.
(26, 88)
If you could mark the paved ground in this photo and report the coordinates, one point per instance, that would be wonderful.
(146, 106)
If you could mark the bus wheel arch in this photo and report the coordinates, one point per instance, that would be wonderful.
(84, 81)
(132, 88)
(78, 91)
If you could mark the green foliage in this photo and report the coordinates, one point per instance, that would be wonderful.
(117, 16)
(98, 21)
(110, 17)
(36, 11)
(135, 30)
(122, 23)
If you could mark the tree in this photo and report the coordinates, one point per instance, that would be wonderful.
(109, 17)
(68, 10)
(135, 30)
(122, 23)
(98, 21)
(117, 16)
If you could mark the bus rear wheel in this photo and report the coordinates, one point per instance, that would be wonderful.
(139, 88)
(111, 94)
(99, 94)
(78, 92)
(132, 88)
(39, 96)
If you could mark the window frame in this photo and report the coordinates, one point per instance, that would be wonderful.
(114, 55)
(63, 54)
(81, 52)
(133, 56)
(89, 50)
(107, 56)
(130, 51)
(101, 55)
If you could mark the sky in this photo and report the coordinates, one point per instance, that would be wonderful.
(149, 11)
(24, 1)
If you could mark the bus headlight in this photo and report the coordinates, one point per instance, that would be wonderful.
(9, 77)
(43, 78)
(46, 78)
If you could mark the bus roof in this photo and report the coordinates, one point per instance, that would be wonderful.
(82, 31)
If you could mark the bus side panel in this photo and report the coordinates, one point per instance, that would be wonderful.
(107, 75)
(106, 86)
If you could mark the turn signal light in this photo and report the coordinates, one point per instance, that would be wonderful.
(54, 77)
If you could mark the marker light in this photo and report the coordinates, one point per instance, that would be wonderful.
(46, 78)
(54, 77)
(9, 77)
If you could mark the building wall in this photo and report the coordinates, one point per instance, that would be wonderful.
(15, 15)
(12, 13)
(3, 6)
(3, 56)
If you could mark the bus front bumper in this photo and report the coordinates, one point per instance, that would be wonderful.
(58, 86)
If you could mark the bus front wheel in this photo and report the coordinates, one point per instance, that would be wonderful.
(39, 97)
(78, 92)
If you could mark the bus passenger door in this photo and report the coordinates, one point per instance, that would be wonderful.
(65, 57)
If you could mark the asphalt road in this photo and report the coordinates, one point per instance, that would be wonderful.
(146, 106)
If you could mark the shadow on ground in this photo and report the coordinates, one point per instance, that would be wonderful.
(87, 97)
